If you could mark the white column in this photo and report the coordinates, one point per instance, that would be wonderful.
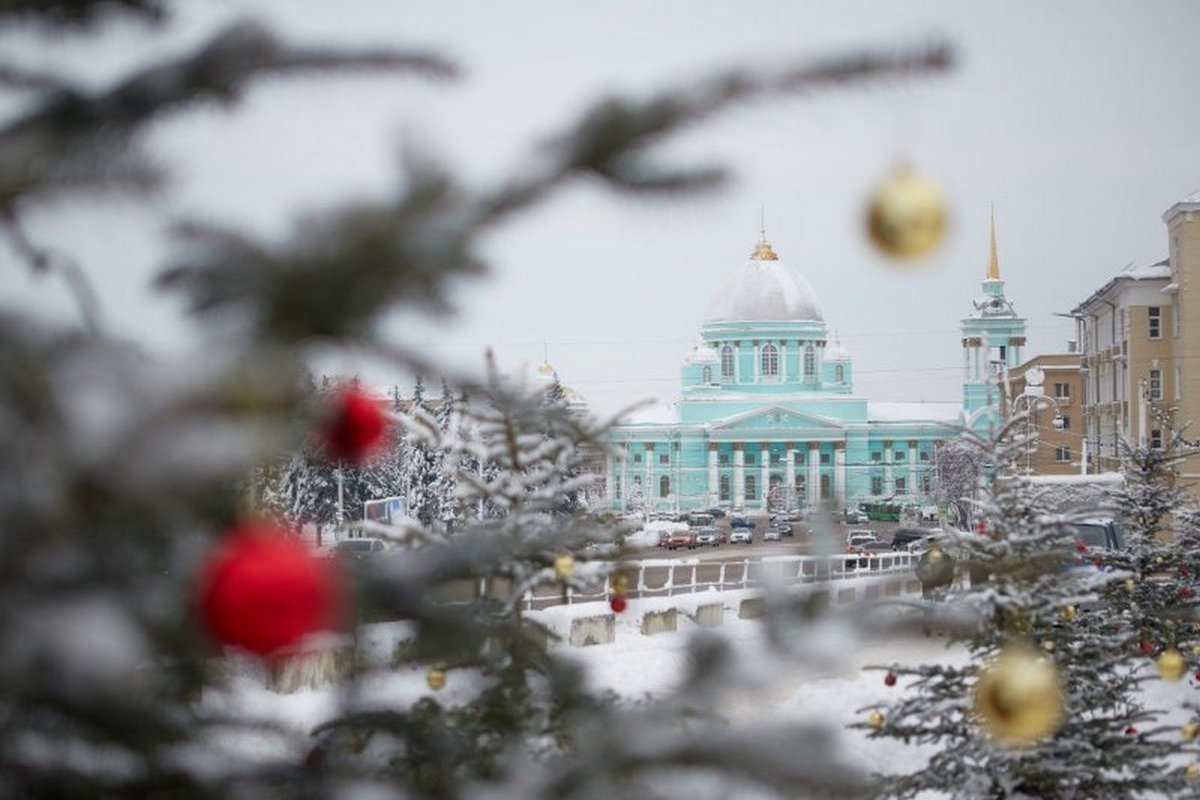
(737, 362)
(624, 475)
(789, 478)
(757, 376)
(765, 454)
(888, 487)
(739, 476)
(783, 356)
(913, 485)
(814, 474)
(609, 494)
(714, 486)
(650, 494)
(839, 474)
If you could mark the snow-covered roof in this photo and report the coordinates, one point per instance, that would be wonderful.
(703, 354)
(836, 351)
(657, 414)
(1105, 478)
(766, 289)
(1139, 272)
(946, 411)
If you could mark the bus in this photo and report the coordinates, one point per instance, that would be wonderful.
(883, 512)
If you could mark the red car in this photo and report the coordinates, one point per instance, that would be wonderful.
(681, 539)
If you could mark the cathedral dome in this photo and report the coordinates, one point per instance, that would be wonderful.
(836, 351)
(766, 289)
(703, 354)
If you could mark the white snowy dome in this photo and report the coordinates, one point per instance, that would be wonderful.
(703, 354)
(836, 351)
(766, 289)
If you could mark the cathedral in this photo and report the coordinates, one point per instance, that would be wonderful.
(767, 416)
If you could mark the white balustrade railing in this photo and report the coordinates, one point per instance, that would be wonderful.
(685, 577)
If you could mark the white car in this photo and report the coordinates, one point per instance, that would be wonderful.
(856, 540)
(740, 536)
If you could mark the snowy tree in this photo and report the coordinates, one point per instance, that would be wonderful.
(959, 467)
(1086, 735)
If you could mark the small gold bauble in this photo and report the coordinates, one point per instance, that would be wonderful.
(619, 581)
(1171, 665)
(1048, 645)
(1196, 649)
(1192, 773)
(906, 215)
(1069, 613)
(875, 720)
(1189, 731)
(1158, 559)
(1018, 698)
(1129, 584)
(436, 679)
(1134, 607)
(936, 555)
(564, 565)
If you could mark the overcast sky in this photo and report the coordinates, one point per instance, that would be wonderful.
(1080, 121)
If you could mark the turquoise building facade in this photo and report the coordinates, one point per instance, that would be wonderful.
(767, 416)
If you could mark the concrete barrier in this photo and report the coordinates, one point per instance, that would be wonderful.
(751, 608)
(847, 595)
(660, 622)
(871, 592)
(599, 629)
(710, 615)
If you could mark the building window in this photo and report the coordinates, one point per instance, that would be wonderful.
(723, 459)
(723, 488)
(1066, 422)
(664, 486)
(876, 485)
(617, 486)
(664, 459)
(1155, 385)
(751, 488)
(810, 362)
(776, 457)
(900, 455)
(1175, 315)
(637, 481)
(1156, 439)
(901, 486)
(726, 363)
(1062, 454)
(801, 488)
(1155, 318)
(749, 459)
(923, 455)
(800, 457)
(839, 373)
(876, 457)
(706, 374)
(1178, 393)
(825, 458)
(1062, 391)
(926, 484)
(770, 361)
(637, 458)
(824, 487)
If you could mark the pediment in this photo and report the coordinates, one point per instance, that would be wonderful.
(774, 418)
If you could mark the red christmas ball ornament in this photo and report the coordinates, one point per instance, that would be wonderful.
(1130, 731)
(1185, 593)
(261, 589)
(1097, 562)
(618, 603)
(1146, 646)
(354, 428)
(1197, 677)
(889, 680)
(1183, 572)
(1080, 547)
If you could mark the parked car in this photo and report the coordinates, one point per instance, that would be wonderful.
(358, 549)
(740, 536)
(716, 512)
(782, 527)
(1099, 534)
(856, 539)
(707, 537)
(772, 534)
(699, 519)
(855, 516)
(681, 539)
(740, 521)
(903, 537)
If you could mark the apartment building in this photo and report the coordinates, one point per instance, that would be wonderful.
(1049, 388)
(1139, 341)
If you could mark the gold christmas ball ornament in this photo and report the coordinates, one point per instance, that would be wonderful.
(1189, 731)
(936, 555)
(619, 581)
(1069, 613)
(1018, 698)
(564, 565)
(1192, 773)
(875, 720)
(906, 215)
(1196, 649)
(435, 679)
(1048, 645)
(1171, 665)
(1129, 584)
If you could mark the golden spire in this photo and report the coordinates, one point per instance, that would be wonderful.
(763, 251)
(993, 261)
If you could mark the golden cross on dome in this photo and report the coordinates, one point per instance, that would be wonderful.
(763, 251)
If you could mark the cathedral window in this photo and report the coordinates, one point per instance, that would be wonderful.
(810, 363)
(726, 363)
(825, 487)
(664, 486)
(901, 486)
(751, 488)
(876, 485)
(706, 375)
(839, 373)
(723, 485)
(770, 361)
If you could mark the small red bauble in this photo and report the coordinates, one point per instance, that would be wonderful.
(1097, 562)
(1197, 676)
(355, 427)
(1147, 646)
(1130, 731)
(618, 603)
(1185, 592)
(263, 590)
(889, 680)
(1080, 546)
(1183, 572)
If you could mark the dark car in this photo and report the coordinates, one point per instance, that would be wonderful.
(357, 549)
(738, 521)
(782, 527)
(1099, 534)
(716, 511)
(903, 537)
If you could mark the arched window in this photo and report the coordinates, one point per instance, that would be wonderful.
(706, 374)
(839, 373)
(770, 361)
(723, 488)
(810, 363)
(726, 363)
(664, 486)
(751, 488)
